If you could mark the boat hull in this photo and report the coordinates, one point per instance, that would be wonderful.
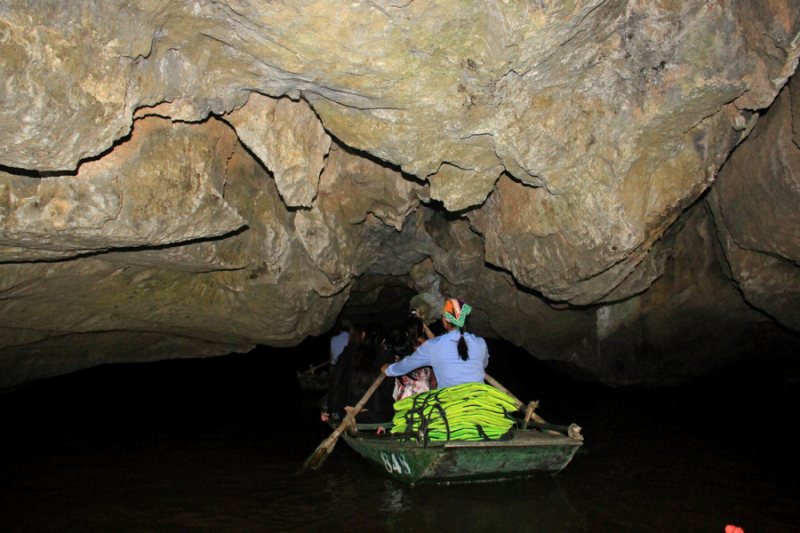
(314, 381)
(527, 453)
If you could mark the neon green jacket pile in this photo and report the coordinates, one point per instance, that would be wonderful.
(473, 411)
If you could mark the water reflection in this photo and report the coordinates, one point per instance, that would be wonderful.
(537, 504)
(392, 498)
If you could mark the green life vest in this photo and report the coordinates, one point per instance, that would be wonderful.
(473, 411)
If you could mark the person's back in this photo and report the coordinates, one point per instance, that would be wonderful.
(371, 356)
(356, 370)
(379, 407)
(339, 341)
(449, 367)
(457, 357)
(342, 372)
(341, 376)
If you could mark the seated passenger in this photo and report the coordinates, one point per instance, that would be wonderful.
(340, 340)
(358, 369)
(421, 379)
(341, 371)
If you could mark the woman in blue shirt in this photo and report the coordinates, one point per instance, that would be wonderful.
(456, 357)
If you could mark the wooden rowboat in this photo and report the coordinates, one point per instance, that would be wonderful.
(311, 381)
(527, 452)
(314, 381)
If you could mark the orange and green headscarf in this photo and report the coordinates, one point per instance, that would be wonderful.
(455, 311)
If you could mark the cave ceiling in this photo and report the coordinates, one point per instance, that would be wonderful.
(613, 185)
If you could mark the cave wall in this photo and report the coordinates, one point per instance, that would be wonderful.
(602, 179)
(755, 204)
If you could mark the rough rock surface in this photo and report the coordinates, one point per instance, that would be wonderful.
(289, 139)
(127, 199)
(756, 200)
(225, 174)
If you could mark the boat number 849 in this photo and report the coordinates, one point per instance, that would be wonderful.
(395, 463)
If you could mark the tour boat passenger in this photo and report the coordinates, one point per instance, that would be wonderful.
(422, 379)
(340, 372)
(357, 368)
(341, 340)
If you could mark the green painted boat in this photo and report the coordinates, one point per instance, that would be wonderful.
(527, 452)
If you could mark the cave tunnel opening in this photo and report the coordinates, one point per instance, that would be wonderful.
(382, 299)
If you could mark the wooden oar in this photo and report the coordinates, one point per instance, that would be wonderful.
(529, 414)
(311, 369)
(493, 382)
(572, 430)
(316, 459)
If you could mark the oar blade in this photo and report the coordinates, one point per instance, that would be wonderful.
(320, 455)
(312, 460)
(316, 459)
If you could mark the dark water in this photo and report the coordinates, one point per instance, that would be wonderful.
(217, 445)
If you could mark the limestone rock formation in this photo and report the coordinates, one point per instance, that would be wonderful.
(221, 174)
(289, 139)
(126, 199)
(756, 202)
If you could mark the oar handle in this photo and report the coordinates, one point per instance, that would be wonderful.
(572, 430)
(493, 382)
(311, 369)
